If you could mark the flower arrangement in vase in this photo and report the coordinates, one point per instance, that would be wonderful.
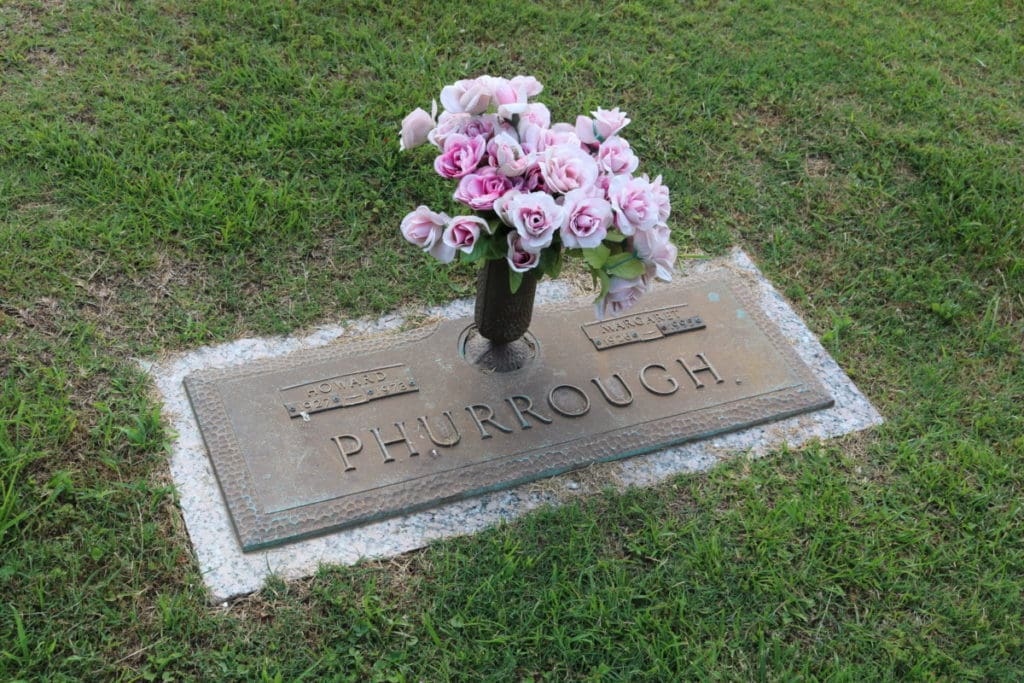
(539, 192)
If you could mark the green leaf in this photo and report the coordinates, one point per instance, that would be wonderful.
(480, 250)
(614, 236)
(486, 247)
(597, 257)
(625, 265)
(551, 262)
(498, 248)
(556, 268)
(515, 279)
(628, 271)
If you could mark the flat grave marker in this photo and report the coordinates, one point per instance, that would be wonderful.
(324, 439)
(228, 570)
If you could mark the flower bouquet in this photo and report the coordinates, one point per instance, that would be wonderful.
(540, 191)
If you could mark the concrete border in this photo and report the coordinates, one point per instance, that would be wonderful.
(228, 572)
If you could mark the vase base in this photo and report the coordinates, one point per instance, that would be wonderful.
(490, 357)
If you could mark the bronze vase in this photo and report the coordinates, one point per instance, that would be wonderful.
(500, 342)
(502, 317)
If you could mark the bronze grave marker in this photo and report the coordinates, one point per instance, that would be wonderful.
(367, 429)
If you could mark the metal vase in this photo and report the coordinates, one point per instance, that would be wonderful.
(503, 317)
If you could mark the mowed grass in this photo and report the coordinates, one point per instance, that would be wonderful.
(174, 174)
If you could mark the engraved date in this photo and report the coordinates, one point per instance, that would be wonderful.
(349, 389)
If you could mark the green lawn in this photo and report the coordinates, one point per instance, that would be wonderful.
(179, 173)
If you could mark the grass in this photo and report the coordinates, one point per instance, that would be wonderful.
(174, 174)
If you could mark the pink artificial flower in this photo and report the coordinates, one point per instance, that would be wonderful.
(511, 100)
(512, 96)
(480, 125)
(416, 127)
(562, 134)
(634, 203)
(462, 232)
(519, 259)
(461, 156)
(621, 296)
(500, 206)
(537, 114)
(424, 228)
(567, 167)
(532, 137)
(471, 95)
(448, 124)
(536, 217)
(530, 181)
(528, 84)
(655, 249)
(661, 199)
(605, 124)
(505, 153)
(587, 219)
(614, 156)
(479, 190)
(609, 122)
(505, 92)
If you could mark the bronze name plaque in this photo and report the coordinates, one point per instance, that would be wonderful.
(367, 429)
(354, 388)
(641, 326)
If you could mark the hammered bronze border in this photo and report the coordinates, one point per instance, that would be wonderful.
(257, 529)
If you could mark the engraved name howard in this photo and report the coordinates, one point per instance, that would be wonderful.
(306, 398)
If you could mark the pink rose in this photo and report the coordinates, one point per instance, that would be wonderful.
(614, 156)
(461, 156)
(608, 123)
(424, 228)
(511, 100)
(634, 203)
(605, 124)
(519, 259)
(507, 155)
(531, 137)
(462, 232)
(536, 217)
(661, 199)
(416, 127)
(530, 181)
(655, 248)
(505, 92)
(471, 95)
(480, 125)
(566, 167)
(587, 220)
(479, 190)
(537, 114)
(500, 206)
(562, 134)
(448, 124)
(586, 131)
(622, 294)
(530, 85)
(511, 96)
